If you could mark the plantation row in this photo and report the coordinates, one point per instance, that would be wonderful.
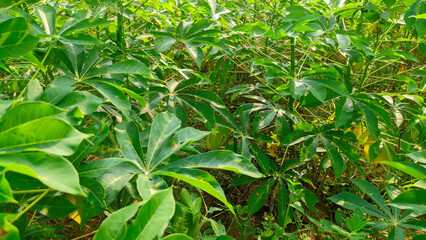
(212, 119)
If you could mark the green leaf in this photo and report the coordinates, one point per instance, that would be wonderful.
(30, 126)
(18, 24)
(8, 230)
(5, 190)
(317, 89)
(284, 212)
(47, 16)
(310, 200)
(163, 43)
(54, 207)
(198, 26)
(225, 160)
(259, 196)
(261, 159)
(80, 39)
(177, 236)
(344, 41)
(352, 202)
(58, 90)
(53, 171)
(215, 42)
(33, 91)
(85, 101)
(112, 93)
(99, 132)
(207, 96)
(129, 67)
(397, 233)
(178, 141)
(196, 52)
(370, 117)
(334, 85)
(15, 44)
(115, 226)
(369, 189)
(413, 199)
(114, 179)
(419, 156)
(203, 110)
(163, 126)
(297, 88)
(337, 161)
(416, 170)
(389, 3)
(74, 24)
(344, 111)
(127, 134)
(153, 217)
(199, 179)
(97, 168)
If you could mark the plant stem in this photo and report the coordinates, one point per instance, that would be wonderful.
(32, 204)
(29, 191)
(85, 235)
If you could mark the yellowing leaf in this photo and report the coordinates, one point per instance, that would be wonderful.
(381, 157)
(77, 201)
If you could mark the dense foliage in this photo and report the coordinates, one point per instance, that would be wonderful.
(212, 119)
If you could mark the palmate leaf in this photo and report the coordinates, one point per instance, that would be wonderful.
(53, 171)
(30, 126)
